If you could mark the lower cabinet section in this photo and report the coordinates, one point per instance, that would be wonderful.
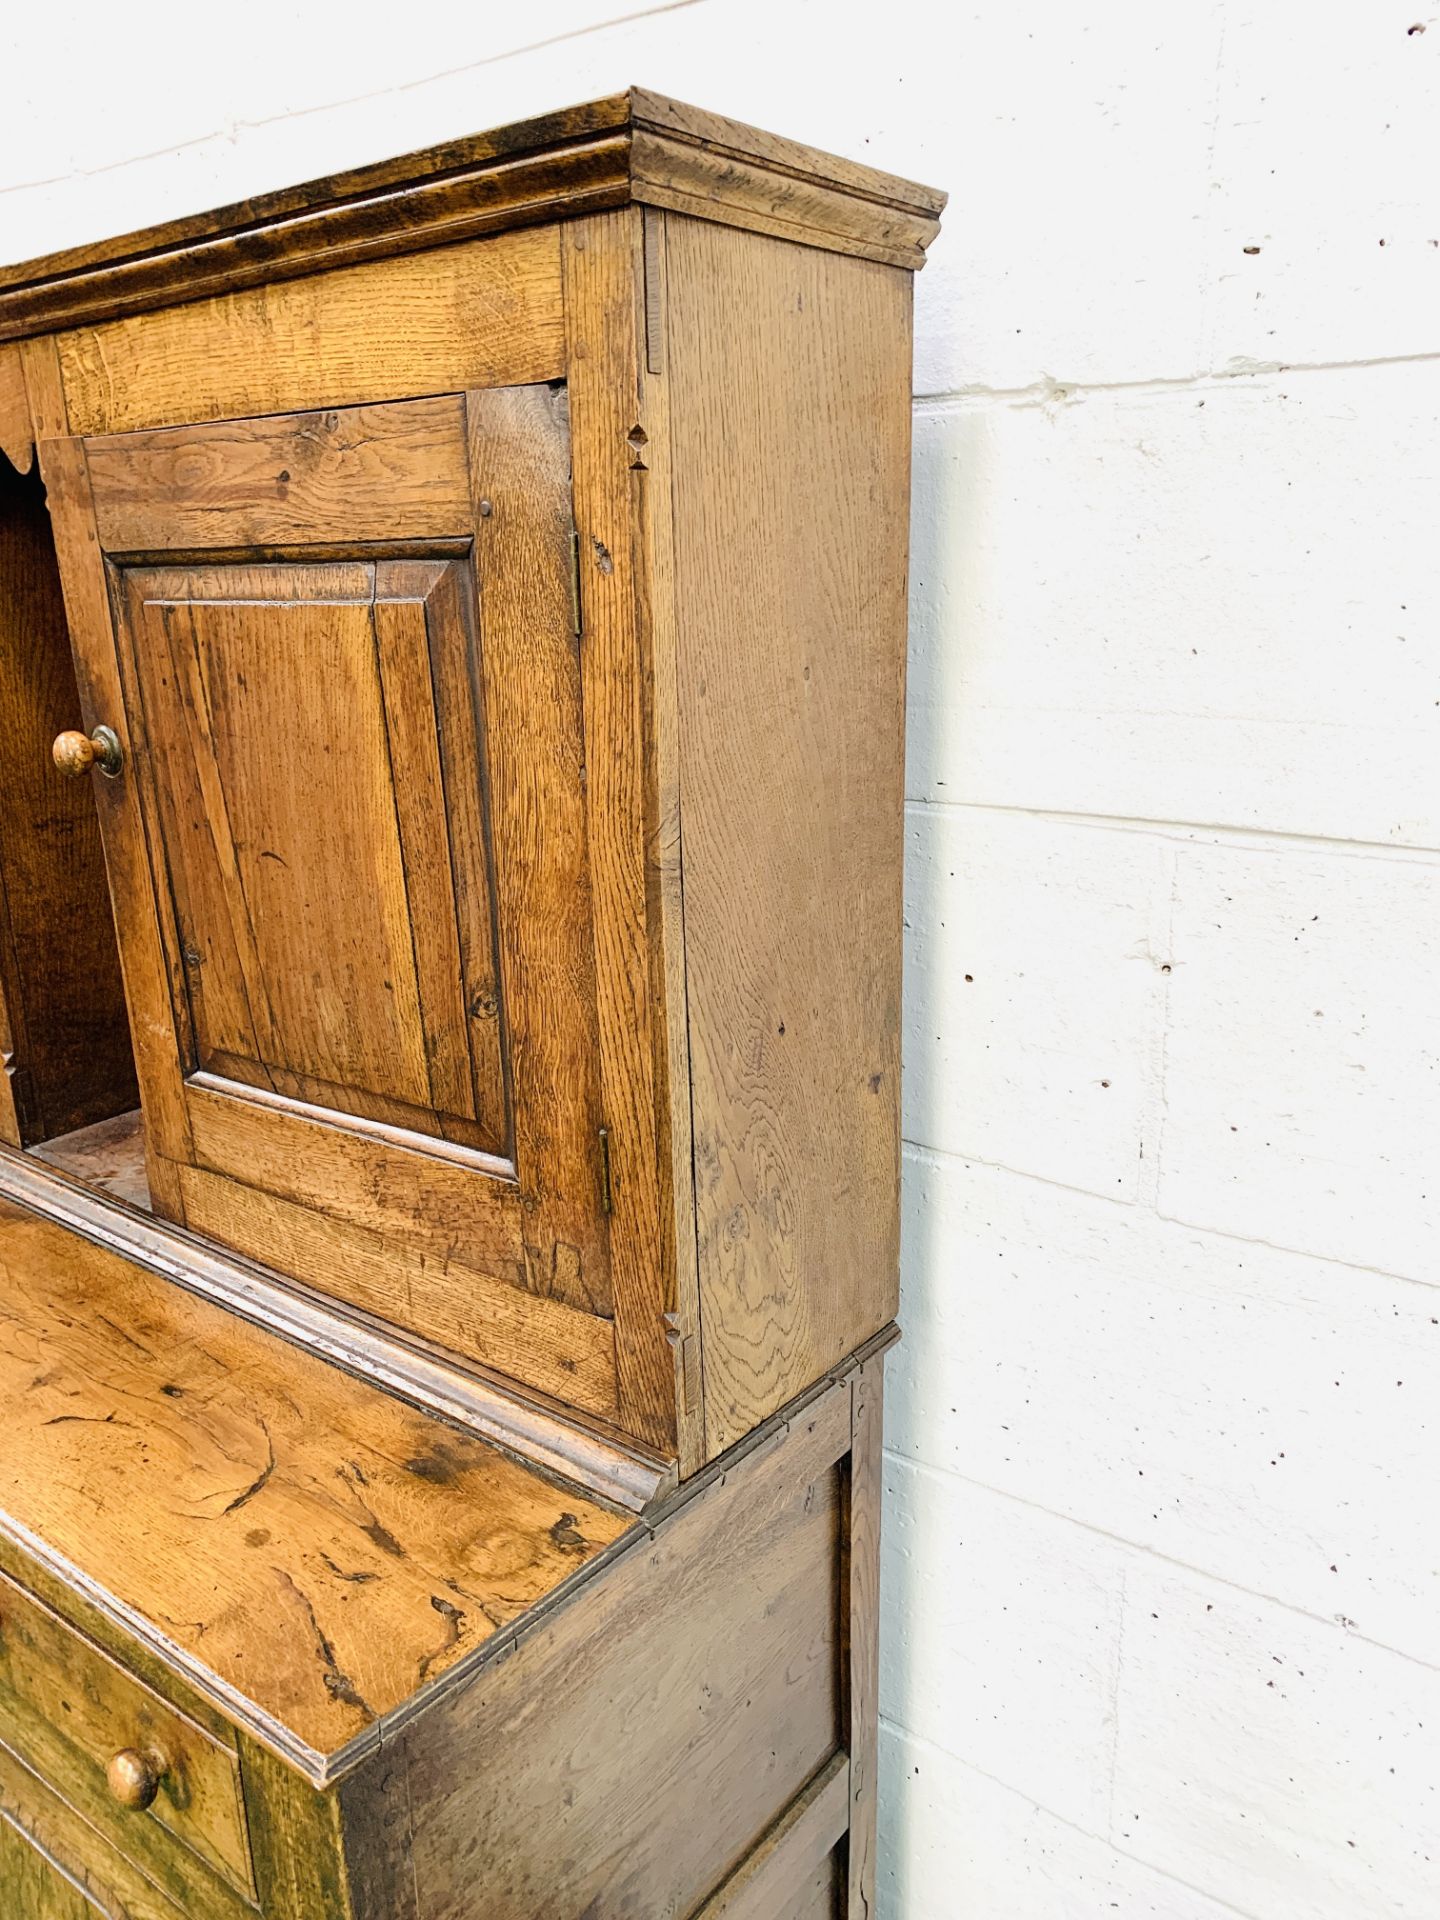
(682, 1730)
(691, 1737)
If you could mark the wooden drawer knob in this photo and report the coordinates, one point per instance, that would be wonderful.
(134, 1778)
(76, 753)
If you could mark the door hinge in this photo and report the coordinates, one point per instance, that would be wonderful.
(607, 1196)
(575, 580)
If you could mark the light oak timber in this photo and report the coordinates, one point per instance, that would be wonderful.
(483, 314)
(364, 473)
(654, 539)
(611, 434)
(823, 1898)
(541, 1430)
(790, 583)
(534, 697)
(606, 153)
(756, 1546)
(311, 1552)
(736, 1719)
(459, 1494)
(265, 785)
(17, 436)
(305, 990)
(558, 1349)
(109, 1155)
(81, 1875)
(143, 960)
(36, 1884)
(860, 1583)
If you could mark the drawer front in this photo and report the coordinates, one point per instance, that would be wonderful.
(67, 1710)
(33, 1885)
(55, 1866)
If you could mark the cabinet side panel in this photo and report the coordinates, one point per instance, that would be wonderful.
(790, 406)
(630, 1753)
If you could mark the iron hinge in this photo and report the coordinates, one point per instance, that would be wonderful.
(607, 1195)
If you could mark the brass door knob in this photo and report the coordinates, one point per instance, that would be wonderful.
(76, 753)
(134, 1778)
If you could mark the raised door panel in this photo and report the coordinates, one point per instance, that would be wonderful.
(340, 652)
(313, 841)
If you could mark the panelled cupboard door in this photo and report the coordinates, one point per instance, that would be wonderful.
(339, 649)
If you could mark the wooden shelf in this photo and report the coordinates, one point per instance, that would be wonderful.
(109, 1155)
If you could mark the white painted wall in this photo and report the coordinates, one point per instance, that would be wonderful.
(1161, 1620)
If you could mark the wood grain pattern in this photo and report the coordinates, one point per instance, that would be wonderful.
(364, 473)
(487, 313)
(79, 1862)
(652, 481)
(298, 1842)
(790, 419)
(861, 1573)
(560, 166)
(309, 1551)
(505, 640)
(369, 1179)
(68, 1709)
(293, 735)
(293, 721)
(34, 1884)
(780, 1874)
(67, 1057)
(824, 1897)
(17, 436)
(143, 959)
(700, 1672)
(562, 1350)
(611, 431)
(544, 1428)
(109, 1155)
(535, 703)
(786, 158)
(717, 184)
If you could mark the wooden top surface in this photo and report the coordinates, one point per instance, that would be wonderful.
(309, 1552)
(631, 146)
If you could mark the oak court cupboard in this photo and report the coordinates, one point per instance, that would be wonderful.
(452, 630)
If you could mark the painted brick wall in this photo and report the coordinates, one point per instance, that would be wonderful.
(1161, 1602)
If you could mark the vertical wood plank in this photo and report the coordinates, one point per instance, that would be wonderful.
(534, 733)
(790, 413)
(622, 512)
(87, 610)
(296, 1841)
(862, 1611)
(17, 437)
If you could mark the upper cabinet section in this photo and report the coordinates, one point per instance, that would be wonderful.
(488, 572)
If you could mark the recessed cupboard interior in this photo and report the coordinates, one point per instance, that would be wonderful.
(69, 1092)
(452, 634)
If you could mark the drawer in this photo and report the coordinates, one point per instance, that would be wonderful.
(55, 1866)
(68, 1710)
